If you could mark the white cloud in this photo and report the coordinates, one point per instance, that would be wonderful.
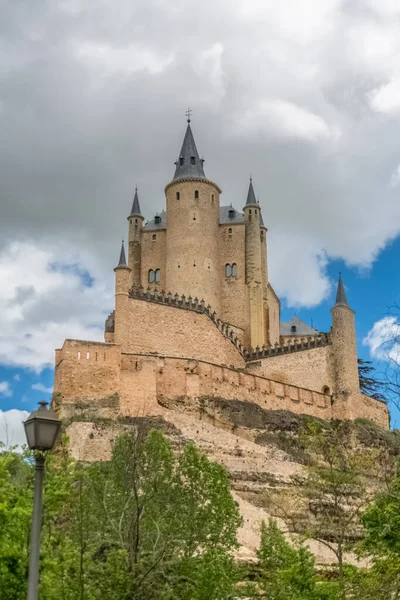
(383, 340)
(5, 389)
(286, 119)
(11, 429)
(127, 59)
(43, 300)
(42, 388)
(386, 99)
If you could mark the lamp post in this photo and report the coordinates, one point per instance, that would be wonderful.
(41, 430)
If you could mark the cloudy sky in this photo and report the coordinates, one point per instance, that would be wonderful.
(305, 96)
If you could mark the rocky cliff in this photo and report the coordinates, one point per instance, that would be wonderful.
(262, 450)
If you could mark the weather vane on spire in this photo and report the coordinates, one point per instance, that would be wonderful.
(188, 113)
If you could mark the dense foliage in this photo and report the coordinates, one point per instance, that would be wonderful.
(157, 523)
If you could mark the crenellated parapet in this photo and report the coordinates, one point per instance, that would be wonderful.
(289, 346)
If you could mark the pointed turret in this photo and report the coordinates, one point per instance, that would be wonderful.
(341, 299)
(251, 197)
(135, 212)
(189, 164)
(122, 259)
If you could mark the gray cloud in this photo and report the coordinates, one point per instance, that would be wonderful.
(92, 101)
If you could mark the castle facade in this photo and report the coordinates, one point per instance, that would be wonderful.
(196, 316)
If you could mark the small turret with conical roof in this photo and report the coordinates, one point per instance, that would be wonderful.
(189, 163)
(135, 220)
(122, 264)
(346, 380)
(122, 286)
(254, 275)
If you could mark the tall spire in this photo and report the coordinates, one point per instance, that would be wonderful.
(189, 164)
(262, 221)
(122, 258)
(251, 197)
(341, 299)
(135, 206)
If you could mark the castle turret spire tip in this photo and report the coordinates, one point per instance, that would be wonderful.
(189, 164)
(341, 299)
(135, 205)
(251, 197)
(122, 258)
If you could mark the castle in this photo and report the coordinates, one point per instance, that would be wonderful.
(196, 317)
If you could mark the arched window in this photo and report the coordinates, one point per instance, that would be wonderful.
(230, 231)
(196, 194)
(178, 196)
(249, 211)
(192, 160)
(228, 271)
(326, 390)
(293, 329)
(234, 270)
(151, 276)
(255, 212)
(136, 221)
(262, 234)
(154, 237)
(157, 276)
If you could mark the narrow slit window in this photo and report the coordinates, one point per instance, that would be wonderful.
(87, 355)
(230, 231)
(212, 198)
(196, 194)
(178, 196)
(79, 356)
(154, 237)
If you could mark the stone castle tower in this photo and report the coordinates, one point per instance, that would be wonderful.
(196, 318)
(207, 251)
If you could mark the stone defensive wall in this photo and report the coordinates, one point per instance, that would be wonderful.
(98, 380)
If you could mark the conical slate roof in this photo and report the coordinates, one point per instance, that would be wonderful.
(262, 220)
(341, 294)
(135, 206)
(189, 164)
(122, 258)
(251, 197)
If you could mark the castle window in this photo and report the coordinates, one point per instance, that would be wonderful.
(228, 271)
(293, 329)
(130, 221)
(230, 231)
(151, 276)
(192, 160)
(231, 213)
(212, 197)
(326, 390)
(178, 196)
(154, 237)
(262, 234)
(196, 194)
(157, 219)
(157, 276)
(255, 212)
(249, 211)
(136, 221)
(181, 160)
(234, 270)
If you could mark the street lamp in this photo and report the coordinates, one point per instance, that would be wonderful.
(41, 429)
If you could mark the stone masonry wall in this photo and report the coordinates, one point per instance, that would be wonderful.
(153, 257)
(196, 379)
(151, 328)
(234, 298)
(87, 377)
(309, 368)
(274, 310)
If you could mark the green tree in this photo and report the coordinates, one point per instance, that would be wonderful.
(370, 384)
(151, 523)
